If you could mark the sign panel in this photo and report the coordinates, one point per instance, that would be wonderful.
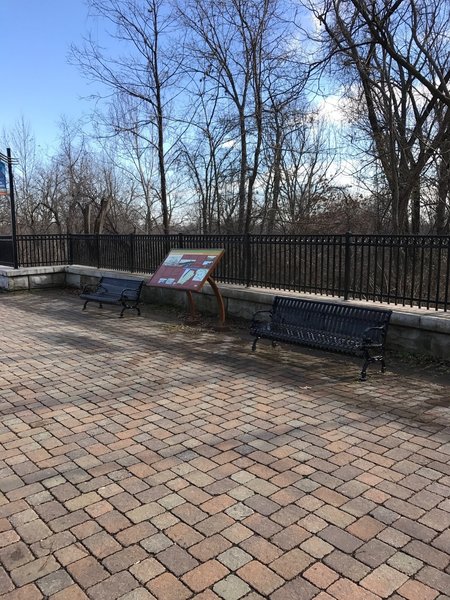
(3, 191)
(186, 269)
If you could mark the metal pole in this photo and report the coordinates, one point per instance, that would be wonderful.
(13, 208)
(347, 265)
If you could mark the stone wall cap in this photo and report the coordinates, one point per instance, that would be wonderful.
(96, 272)
(23, 271)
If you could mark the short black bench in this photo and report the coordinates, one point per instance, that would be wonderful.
(355, 330)
(112, 290)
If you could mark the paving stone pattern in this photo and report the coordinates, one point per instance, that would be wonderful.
(141, 459)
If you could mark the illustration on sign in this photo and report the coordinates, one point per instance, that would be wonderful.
(186, 269)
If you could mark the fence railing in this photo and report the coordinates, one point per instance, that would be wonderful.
(398, 269)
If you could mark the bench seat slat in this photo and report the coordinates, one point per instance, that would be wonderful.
(320, 339)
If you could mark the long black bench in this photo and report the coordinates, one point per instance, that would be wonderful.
(112, 290)
(355, 330)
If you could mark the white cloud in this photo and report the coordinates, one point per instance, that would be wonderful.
(331, 109)
(228, 144)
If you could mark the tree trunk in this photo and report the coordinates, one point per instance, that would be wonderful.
(87, 210)
(242, 172)
(102, 214)
(415, 208)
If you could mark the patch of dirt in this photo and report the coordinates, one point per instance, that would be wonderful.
(434, 368)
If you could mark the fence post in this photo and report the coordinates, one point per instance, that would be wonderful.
(247, 259)
(69, 249)
(180, 240)
(97, 239)
(347, 264)
(132, 242)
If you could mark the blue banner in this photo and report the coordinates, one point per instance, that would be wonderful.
(2, 178)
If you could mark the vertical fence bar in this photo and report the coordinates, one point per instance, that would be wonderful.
(375, 270)
(438, 274)
(429, 275)
(310, 266)
(405, 270)
(413, 272)
(248, 260)
(447, 277)
(422, 251)
(69, 249)
(97, 244)
(362, 258)
(397, 268)
(132, 253)
(347, 263)
(355, 260)
(389, 281)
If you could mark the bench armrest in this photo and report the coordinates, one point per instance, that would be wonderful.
(133, 290)
(379, 335)
(93, 288)
(255, 318)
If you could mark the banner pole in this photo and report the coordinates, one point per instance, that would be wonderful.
(13, 208)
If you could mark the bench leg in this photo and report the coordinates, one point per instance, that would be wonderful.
(85, 304)
(367, 361)
(125, 306)
(370, 359)
(255, 341)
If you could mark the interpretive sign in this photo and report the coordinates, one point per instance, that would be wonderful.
(186, 269)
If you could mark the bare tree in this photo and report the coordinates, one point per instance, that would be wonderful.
(206, 154)
(394, 55)
(20, 138)
(144, 75)
(426, 28)
(232, 41)
(308, 178)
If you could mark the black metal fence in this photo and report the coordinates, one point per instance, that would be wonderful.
(6, 251)
(399, 269)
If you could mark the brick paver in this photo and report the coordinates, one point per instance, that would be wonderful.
(141, 459)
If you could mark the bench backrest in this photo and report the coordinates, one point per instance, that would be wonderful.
(335, 318)
(115, 286)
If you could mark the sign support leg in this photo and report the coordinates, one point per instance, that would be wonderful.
(192, 314)
(219, 299)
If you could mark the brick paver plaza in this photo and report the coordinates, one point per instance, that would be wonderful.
(143, 459)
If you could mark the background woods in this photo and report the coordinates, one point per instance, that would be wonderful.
(250, 116)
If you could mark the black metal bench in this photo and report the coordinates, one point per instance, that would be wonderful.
(355, 330)
(112, 290)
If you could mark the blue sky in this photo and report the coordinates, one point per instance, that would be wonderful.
(38, 83)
